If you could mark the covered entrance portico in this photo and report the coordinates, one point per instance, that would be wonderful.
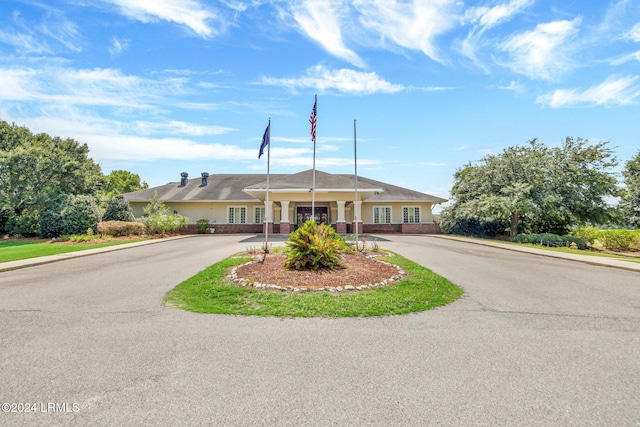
(290, 200)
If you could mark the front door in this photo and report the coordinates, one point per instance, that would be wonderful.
(304, 214)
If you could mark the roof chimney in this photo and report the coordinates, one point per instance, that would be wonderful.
(184, 179)
(205, 179)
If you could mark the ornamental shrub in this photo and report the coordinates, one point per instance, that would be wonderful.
(202, 225)
(164, 223)
(619, 239)
(121, 228)
(550, 239)
(588, 234)
(314, 247)
(158, 219)
(26, 224)
(51, 221)
(79, 214)
(118, 209)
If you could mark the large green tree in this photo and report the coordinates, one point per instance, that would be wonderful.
(535, 188)
(630, 202)
(122, 181)
(36, 170)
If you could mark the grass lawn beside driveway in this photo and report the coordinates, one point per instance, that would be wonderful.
(210, 291)
(13, 250)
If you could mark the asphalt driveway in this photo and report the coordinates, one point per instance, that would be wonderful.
(534, 341)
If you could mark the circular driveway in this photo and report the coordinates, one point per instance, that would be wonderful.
(534, 341)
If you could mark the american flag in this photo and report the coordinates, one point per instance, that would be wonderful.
(312, 120)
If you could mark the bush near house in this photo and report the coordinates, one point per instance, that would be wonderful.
(118, 209)
(121, 228)
(202, 225)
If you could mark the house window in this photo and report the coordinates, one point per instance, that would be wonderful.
(411, 214)
(382, 214)
(258, 214)
(237, 215)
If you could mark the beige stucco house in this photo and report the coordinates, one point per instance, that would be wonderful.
(236, 203)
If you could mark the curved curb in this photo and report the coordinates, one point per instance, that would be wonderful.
(585, 259)
(31, 262)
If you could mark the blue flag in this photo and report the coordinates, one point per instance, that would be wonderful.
(265, 141)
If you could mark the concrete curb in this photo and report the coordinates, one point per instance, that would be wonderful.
(30, 262)
(585, 259)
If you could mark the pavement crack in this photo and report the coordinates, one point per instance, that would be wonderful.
(558, 315)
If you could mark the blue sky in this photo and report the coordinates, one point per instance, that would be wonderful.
(165, 86)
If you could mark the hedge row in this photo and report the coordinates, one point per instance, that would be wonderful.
(121, 228)
(619, 239)
(549, 239)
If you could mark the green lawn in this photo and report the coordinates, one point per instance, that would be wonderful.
(562, 249)
(577, 251)
(210, 292)
(12, 250)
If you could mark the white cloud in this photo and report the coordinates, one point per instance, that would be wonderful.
(613, 91)
(89, 87)
(413, 25)
(483, 18)
(118, 46)
(488, 17)
(45, 37)
(542, 53)
(175, 127)
(190, 13)
(57, 27)
(633, 34)
(343, 80)
(633, 56)
(512, 86)
(321, 21)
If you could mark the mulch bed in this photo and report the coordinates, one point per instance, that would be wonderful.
(358, 270)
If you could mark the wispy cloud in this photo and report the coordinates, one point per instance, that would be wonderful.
(612, 92)
(321, 20)
(118, 46)
(89, 87)
(54, 32)
(488, 17)
(542, 53)
(512, 86)
(174, 127)
(412, 25)
(633, 34)
(342, 80)
(196, 16)
(484, 18)
(620, 60)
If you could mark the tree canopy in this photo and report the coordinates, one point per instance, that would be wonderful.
(630, 203)
(122, 181)
(535, 188)
(36, 170)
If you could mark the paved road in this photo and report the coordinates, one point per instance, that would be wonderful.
(534, 341)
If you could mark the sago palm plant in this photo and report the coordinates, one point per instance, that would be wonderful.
(314, 247)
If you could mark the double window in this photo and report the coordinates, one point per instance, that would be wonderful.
(258, 214)
(382, 214)
(411, 214)
(237, 215)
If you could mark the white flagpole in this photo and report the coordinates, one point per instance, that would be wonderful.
(266, 232)
(355, 162)
(313, 184)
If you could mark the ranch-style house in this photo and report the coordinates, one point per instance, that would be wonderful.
(237, 203)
